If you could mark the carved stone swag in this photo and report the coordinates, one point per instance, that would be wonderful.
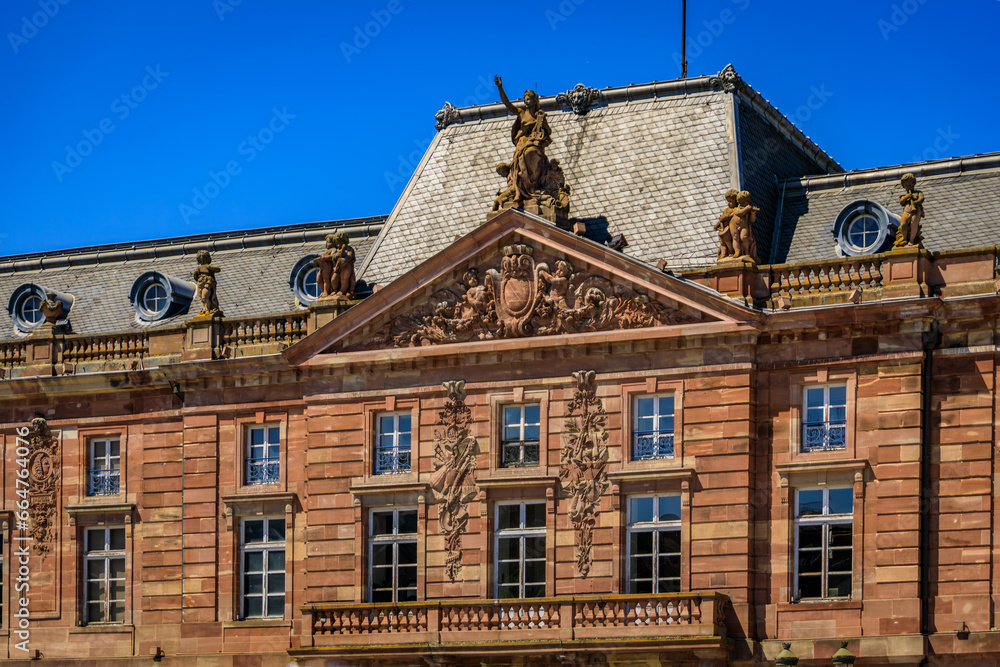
(582, 464)
(453, 480)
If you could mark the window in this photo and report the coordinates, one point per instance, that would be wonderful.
(393, 558)
(863, 232)
(864, 227)
(653, 427)
(519, 442)
(25, 306)
(263, 456)
(823, 543)
(825, 423)
(304, 280)
(105, 465)
(654, 544)
(262, 551)
(104, 575)
(392, 445)
(520, 550)
(156, 296)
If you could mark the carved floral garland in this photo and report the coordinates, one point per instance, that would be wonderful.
(582, 464)
(524, 298)
(453, 480)
(43, 482)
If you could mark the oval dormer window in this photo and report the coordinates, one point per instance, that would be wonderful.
(27, 306)
(157, 296)
(304, 280)
(864, 227)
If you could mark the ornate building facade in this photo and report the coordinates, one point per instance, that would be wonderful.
(589, 430)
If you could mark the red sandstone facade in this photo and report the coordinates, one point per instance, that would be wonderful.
(916, 360)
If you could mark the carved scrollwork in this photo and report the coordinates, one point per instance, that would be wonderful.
(522, 298)
(453, 480)
(446, 116)
(43, 484)
(580, 98)
(582, 464)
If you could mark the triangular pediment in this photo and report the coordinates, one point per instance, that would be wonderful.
(518, 276)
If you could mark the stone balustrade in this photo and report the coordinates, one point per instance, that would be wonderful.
(565, 619)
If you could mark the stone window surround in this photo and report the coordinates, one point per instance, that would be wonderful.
(394, 540)
(817, 474)
(651, 386)
(655, 527)
(84, 436)
(797, 384)
(496, 534)
(371, 411)
(824, 520)
(242, 425)
(237, 508)
(519, 396)
(264, 546)
(82, 517)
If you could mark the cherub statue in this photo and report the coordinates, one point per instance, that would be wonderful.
(912, 201)
(554, 186)
(505, 195)
(741, 227)
(558, 283)
(336, 267)
(52, 308)
(204, 278)
(722, 226)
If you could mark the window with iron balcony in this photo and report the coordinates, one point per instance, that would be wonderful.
(103, 475)
(263, 456)
(653, 427)
(824, 426)
(519, 442)
(392, 443)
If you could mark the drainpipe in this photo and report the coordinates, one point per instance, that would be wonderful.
(930, 339)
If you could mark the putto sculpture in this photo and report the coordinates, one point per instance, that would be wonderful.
(735, 227)
(204, 278)
(52, 308)
(336, 268)
(912, 200)
(534, 183)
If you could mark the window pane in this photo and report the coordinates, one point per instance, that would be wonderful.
(509, 573)
(531, 454)
(815, 397)
(535, 591)
(672, 585)
(276, 583)
(95, 569)
(276, 530)
(811, 586)
(840, 585)
(407, 522)
(670, 566)
(272, 435)
(95, 590)
(810, 561)
(670, 541)
(534, 572)
(95, 612)
(386, 424)
(256, 436)
(407, 553)
(810, 502)
(642, 510)
(511, 416)
(644, 407)
(253, 530)
(253, 584)
(512, 433)
(642, 567)
(253, 607)
(95, 539)
(381, 577)
(642, 543)
(407, 595)
(534, 547)
(509, 592)
(666, 405)
(381, 554)
(117, 539)
(253, 561)
(404, 424)
(99, 450)
(534, 515)
(636, 587)
(276, 560)
(508, 548)
(276, 605)
(381, 523)
(382, 595)
(841, 501)
(117, 568)
(117, 612)
(840, 560)
(838, 395)
(532, 413)
(810, 537)
(508, 517)
(840, 535)
(407, 577)
(531, 432)
(670, 508)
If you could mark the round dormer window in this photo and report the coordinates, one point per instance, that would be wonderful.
(27, 303)
(304, 280)
(156, 296)
(30, 311)
(864, 227)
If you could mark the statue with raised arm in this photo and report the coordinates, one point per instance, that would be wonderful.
(534, 183)
(912, 201)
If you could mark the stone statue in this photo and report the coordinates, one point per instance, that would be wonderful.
(534, 183)
(336, 267)
(52, 308)
(741, 228)
(912, 201)
(722, 226)
(204, 277)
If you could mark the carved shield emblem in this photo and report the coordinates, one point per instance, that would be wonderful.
(516, 287)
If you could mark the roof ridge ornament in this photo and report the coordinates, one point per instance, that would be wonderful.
(728, 80)
(446, 116)
(580, 98)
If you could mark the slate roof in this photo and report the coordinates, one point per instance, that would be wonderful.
(255, 264)
(651, 161)
(961, 205)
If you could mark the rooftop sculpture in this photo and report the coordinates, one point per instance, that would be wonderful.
(336, 268)
(912, 201)
(534, 183)
(204, 277)
(735, 228)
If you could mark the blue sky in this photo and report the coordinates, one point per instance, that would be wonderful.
(133, 120)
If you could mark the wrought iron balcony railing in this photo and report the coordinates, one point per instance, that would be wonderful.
(652, 445)
(103, 483)
(263, 471)
(818, 436)
(392, 460)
